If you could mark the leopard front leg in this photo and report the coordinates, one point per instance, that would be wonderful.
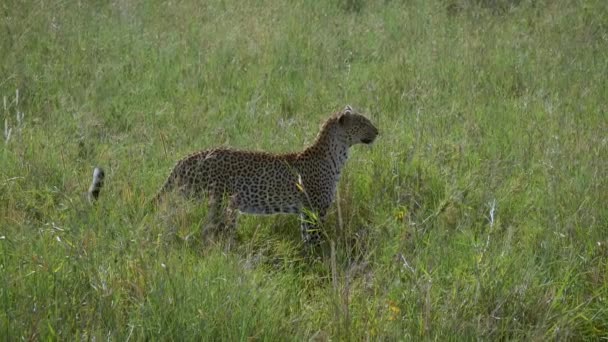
(310, 222)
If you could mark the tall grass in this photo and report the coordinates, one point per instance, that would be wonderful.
(480, 212)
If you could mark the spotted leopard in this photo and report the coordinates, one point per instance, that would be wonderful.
(301, 183)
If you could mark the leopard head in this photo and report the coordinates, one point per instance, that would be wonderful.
(355, 127)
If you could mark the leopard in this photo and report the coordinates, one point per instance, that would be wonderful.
(256, 182)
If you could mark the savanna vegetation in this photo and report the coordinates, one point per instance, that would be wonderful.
(479, 213)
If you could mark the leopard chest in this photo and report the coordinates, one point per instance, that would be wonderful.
(319, 182)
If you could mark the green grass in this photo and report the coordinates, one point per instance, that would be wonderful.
(479, 213)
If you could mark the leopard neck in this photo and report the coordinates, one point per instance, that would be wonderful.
(329, 146)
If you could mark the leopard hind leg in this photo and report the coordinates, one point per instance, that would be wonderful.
(222, 216)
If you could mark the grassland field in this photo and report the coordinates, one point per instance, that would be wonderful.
(480, 213)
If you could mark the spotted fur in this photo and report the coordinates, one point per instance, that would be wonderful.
(265, 183)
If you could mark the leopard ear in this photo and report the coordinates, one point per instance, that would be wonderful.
(348, 110)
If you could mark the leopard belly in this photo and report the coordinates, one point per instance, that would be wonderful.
(270, 197)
